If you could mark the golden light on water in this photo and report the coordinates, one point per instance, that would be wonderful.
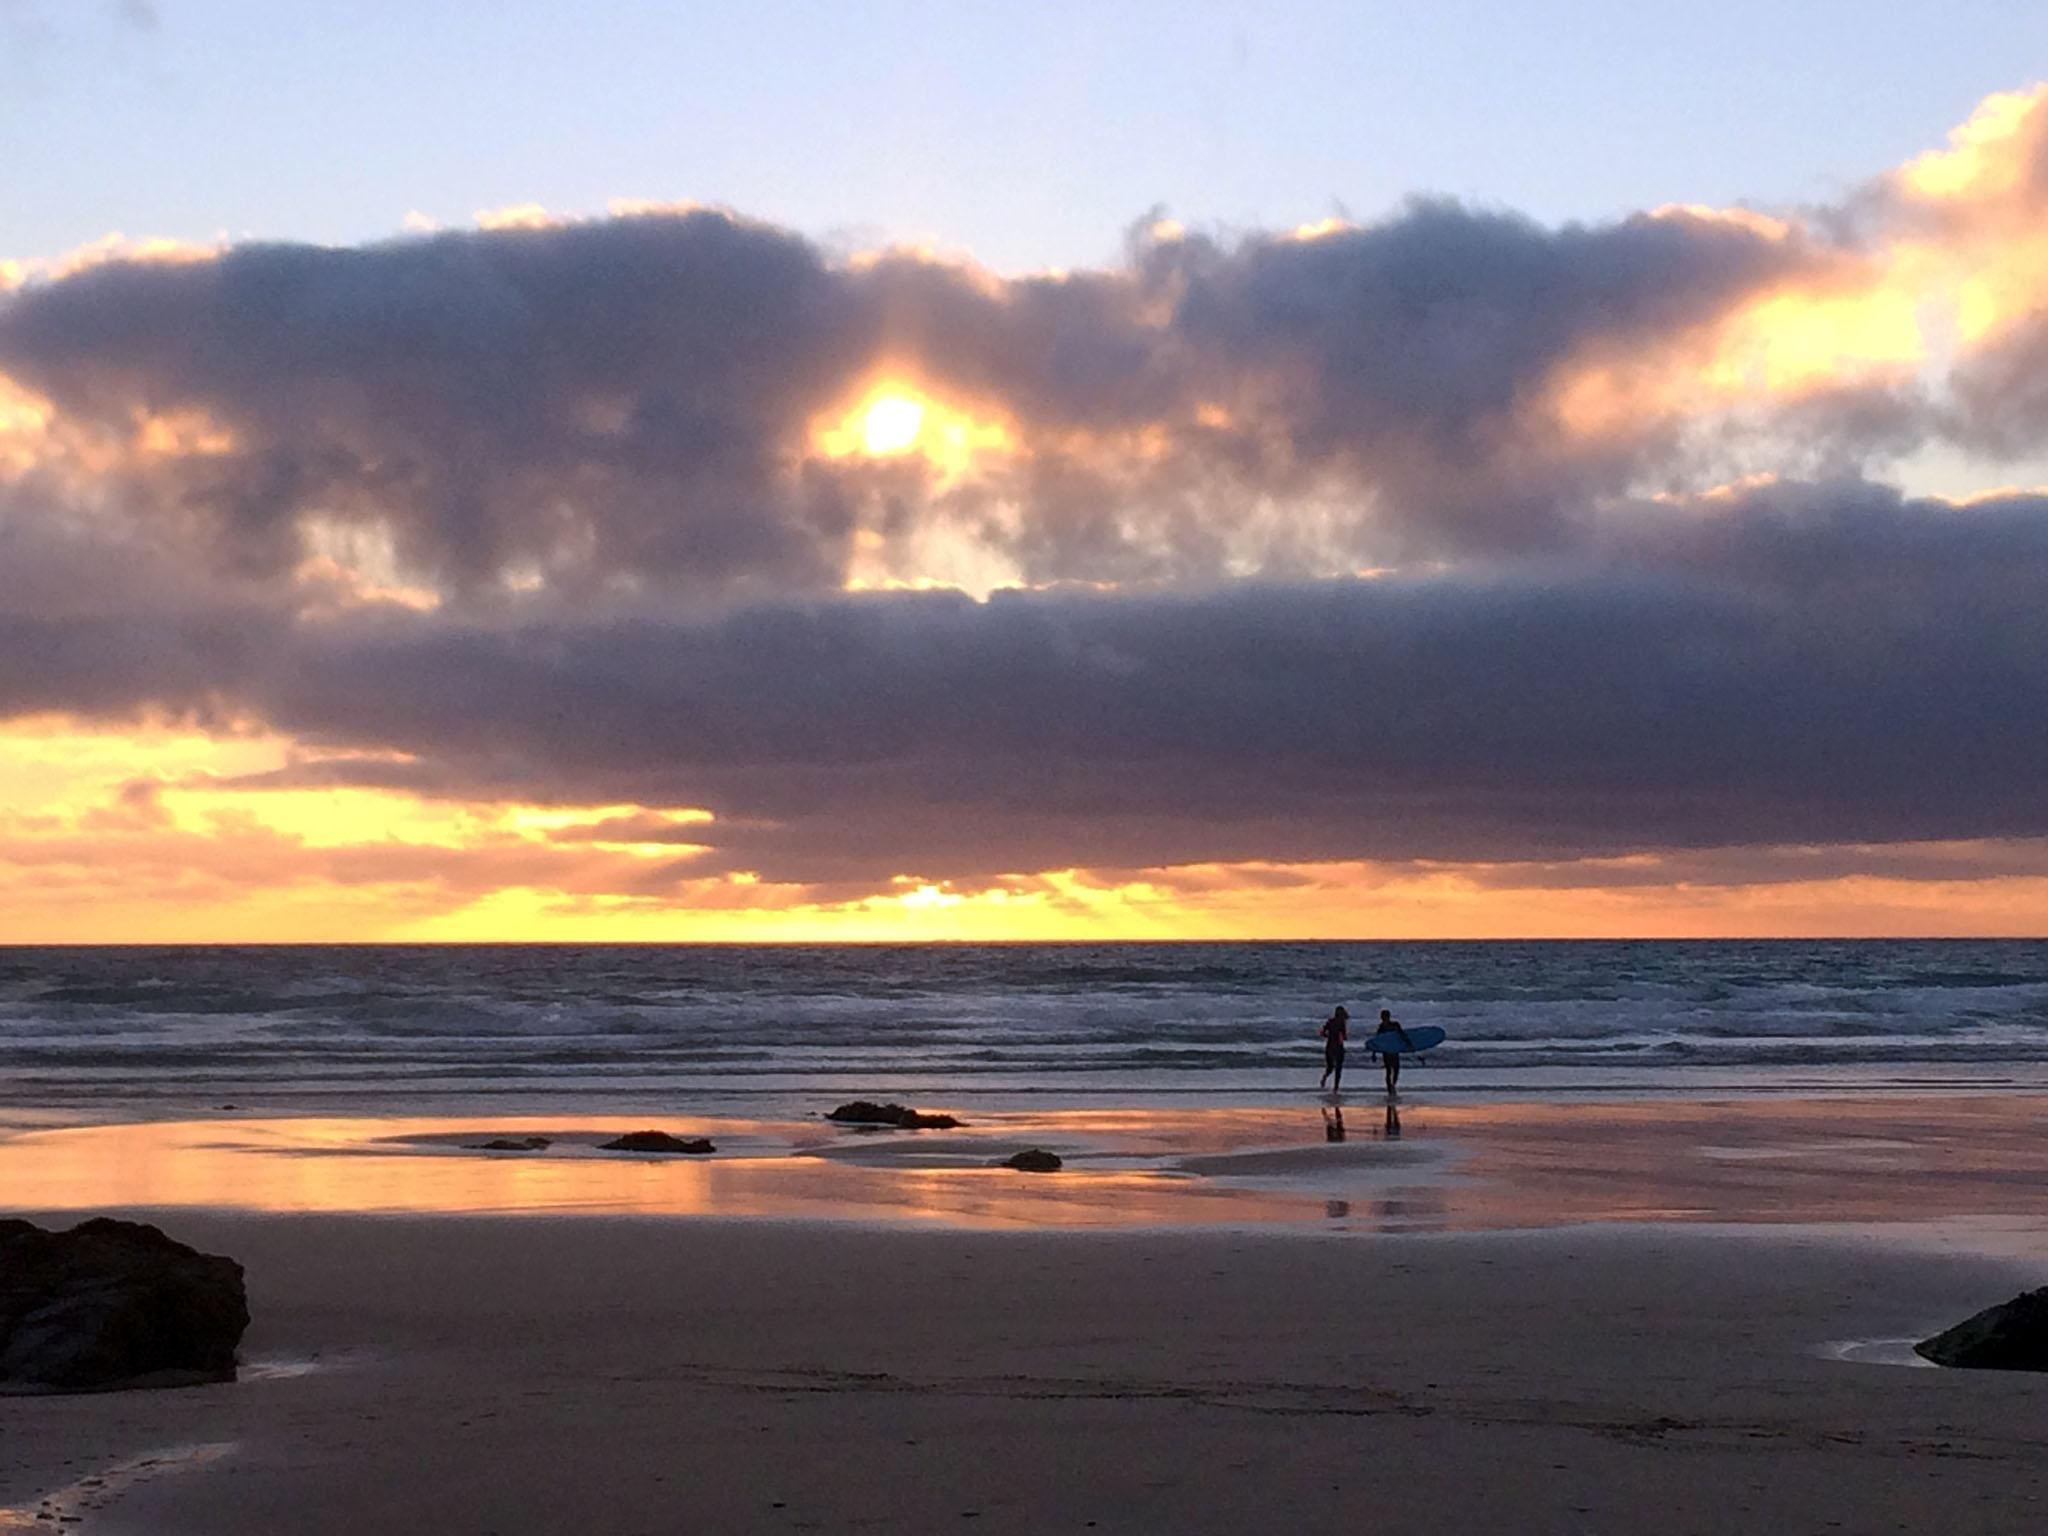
(1454, 1166)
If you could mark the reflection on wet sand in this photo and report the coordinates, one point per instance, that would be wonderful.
(1421, 1167)
(71, 1504)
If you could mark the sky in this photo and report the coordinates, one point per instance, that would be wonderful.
(922, 472)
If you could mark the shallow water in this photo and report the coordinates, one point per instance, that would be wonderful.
(1963, 1170)
(774, 1029)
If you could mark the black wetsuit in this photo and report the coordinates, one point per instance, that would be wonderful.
(1391, 1060)
(1333, 1050)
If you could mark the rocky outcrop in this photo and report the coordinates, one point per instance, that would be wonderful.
(513, 1144)
(862, 1112)
(2012, 1336)
(656, 1141)
(113, 1304)
(1034, 1160)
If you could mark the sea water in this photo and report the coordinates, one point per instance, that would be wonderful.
(769, 1030)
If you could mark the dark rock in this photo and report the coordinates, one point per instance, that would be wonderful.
(1035, 1160)
(862, 1112)
(656, 1141)
(113, 1304)
(2012, 1336)
(512, 1144)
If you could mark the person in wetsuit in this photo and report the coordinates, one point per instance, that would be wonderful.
(1334, 1029)
(1391, 1060)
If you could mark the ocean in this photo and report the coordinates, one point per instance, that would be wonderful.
(122, 1032)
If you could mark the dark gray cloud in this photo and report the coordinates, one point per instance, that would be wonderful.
(628, 402)
(1806, 664)
(620, 414)
(1407, 353)
(593, 399)
(2001, 393)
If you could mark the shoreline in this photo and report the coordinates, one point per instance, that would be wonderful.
(1552, 1318)
(1422, 1163)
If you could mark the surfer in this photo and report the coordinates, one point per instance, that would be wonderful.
(1391, 1060)
(1334, 1029)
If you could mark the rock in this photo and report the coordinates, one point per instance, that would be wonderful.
(514, 1144)
(2012, 1336)
(114, 1304)
(1035, 1160)
(862, 1112)
(656, 1141)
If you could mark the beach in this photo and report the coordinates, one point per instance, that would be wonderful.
(1687, 1315)
(1090, 768)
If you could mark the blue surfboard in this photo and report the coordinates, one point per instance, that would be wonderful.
(1392, 1042)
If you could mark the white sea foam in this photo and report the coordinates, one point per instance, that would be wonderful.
(170, 1030)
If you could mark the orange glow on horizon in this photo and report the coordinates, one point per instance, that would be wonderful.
(143, 835)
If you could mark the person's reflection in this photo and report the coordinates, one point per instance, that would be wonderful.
(1333, 1122)
(1393, 1122)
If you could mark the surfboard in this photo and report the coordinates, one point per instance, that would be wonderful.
(1392, 1042)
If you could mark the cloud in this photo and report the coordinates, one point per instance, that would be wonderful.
(1788, 664)
(633, 402)
(1394, 542)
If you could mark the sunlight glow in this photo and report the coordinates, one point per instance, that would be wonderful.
(1791, 342)
(891, 425)
(24, 422)
(1980, 158)
(161, 833)
(893, 420)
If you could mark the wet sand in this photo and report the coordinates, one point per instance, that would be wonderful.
(951, 1361)
(1427, 1166)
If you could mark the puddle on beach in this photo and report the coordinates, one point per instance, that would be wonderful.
(1122, 1168)
(1416, 1166)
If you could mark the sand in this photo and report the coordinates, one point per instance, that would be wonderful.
(470, 1373)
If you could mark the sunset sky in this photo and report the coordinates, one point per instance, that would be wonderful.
(900, 472)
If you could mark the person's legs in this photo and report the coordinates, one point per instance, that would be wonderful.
(1337, 1071)
(1393, 1061)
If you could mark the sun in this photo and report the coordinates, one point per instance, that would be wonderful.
(890, 424)
(894, 420)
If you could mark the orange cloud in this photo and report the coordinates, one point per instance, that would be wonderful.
(1956, 254)
(142, 835)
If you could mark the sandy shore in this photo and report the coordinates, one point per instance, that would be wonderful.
(468, 1373)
